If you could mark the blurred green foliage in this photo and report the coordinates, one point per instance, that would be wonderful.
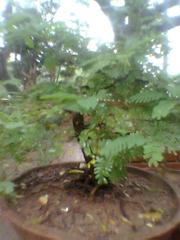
(131, 104)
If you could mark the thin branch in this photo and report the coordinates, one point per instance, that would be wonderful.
(162, 7)
(169, 24)
(166, 4)
(113, 13)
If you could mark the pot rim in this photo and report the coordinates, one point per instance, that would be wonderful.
(173, 167)
(49, 233)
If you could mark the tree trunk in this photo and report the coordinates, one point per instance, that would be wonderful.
(3, 65)
(117, 16)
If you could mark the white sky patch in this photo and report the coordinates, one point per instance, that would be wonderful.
(173, 11)
(118, 3)
(174, 55)
(174, 44)
(14, 57)
(1, 42)
(99, 29)
(156, 1)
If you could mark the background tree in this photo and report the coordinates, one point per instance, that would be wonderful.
(3, 65)
(146, 14)
(38, 43)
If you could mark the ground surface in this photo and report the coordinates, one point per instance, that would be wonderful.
(7, 232)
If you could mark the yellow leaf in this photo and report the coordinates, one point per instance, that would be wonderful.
(91, 163)
(153, 216)
(125, 220)
(112, 222)
(104, 227)
(43, 200)
(76, 171)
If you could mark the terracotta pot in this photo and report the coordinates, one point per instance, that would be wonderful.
(172, 157)
(29, 232)
(171, 172)
(172, 167)
(167, 166)
(168, 157)
(176, 235)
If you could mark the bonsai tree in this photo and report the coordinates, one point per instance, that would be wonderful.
(131, 103)
(134, 116)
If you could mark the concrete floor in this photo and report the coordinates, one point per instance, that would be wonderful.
(7, 232)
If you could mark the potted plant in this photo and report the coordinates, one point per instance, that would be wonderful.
(125, 121)
(124, 107)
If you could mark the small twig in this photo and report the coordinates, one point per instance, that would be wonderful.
(94, 190)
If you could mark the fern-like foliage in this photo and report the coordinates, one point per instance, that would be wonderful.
(60, 97)
(147, 96)
(163, 108)
(87, 104)
(113, 147)
(111, 166)
(153, 152)
(103, 169)
(72, 102)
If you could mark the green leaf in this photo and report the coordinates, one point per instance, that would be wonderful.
(113, 147)
(13, 125)
(147, 96)
(87, 104)
(102, 170)
(4, 118)
(60, 97)
(154, 153)
(29, 42)
(6, 188)
(163, 109)
(119, 170)
(14, 81)
(8, 123)
(174, 89)
(3, 92)
(73, 107)
(50, 62)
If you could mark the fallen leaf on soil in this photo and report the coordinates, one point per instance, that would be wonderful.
(66, 209)
(89, 216)
(39, 220)
(43, 200)
(104, 228)
(150, 225)
(61, 173)
(153, 216)
(75, 171)
(23, 185)
(127, 221)
(35, 221)
(112, 222)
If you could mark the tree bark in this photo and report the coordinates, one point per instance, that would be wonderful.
(3, 65)
(117, 16)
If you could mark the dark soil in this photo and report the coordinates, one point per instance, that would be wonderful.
(127, 211)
